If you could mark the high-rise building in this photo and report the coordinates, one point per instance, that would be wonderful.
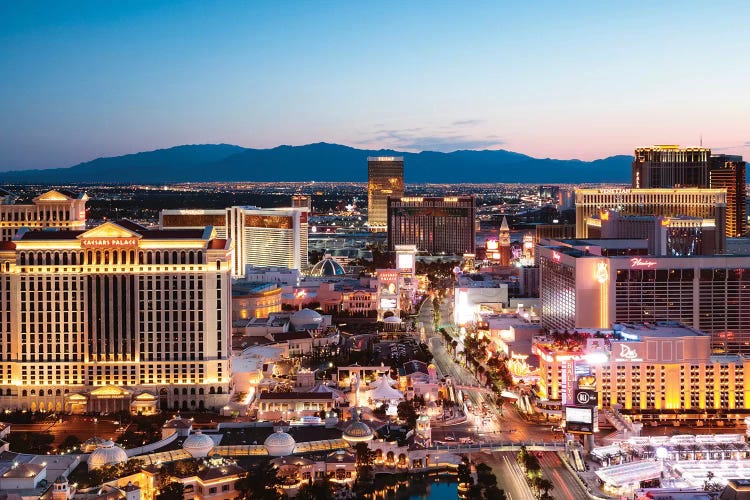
(434, 225)
(554, 231)
(385, 177)
(670, 166)
(59, 209)
(302, 201)
(673, 236)
(708, 204)
(263, 237)
(583, 285)
(116, 318)
(675, 167)
(728, 172)
(548, 194)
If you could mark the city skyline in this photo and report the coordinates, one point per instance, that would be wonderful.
(545, 80)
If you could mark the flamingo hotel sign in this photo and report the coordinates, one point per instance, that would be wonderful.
(637, 262)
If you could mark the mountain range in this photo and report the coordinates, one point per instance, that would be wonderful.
(323, 162)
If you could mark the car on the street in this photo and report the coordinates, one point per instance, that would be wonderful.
(450, 438)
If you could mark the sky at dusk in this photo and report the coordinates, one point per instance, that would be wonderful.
(80, 80)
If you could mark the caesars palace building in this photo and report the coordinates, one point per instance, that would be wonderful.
(592, 284)
(59, 209)
(115, 318)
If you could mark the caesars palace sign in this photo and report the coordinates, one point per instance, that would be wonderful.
(109, 242)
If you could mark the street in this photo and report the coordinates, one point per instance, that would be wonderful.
(505, 425)
(566, 486)
(510, 476)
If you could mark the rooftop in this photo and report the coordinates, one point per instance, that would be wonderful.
(661, 329)
(295, 395)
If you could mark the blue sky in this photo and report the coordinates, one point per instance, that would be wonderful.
(79, 80)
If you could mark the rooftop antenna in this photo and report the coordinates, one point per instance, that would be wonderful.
(701, 139)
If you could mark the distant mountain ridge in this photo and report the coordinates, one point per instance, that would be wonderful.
(323, 162)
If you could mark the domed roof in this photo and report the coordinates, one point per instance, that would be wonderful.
(107, 454)
(198, 445)
(91, 444)
(280, 444)
(327, 267)
(357, 431)
(306, 317)
(392, 319)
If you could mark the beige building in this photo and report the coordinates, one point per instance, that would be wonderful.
(59, 209)
(708, 204)
(385, 177)
(255, 300)
(647, 369)
(101, 319)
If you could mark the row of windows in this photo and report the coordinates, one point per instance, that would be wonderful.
(107, 257)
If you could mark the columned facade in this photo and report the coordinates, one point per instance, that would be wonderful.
(96, 320)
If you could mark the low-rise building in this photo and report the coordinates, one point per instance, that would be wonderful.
(255, 299)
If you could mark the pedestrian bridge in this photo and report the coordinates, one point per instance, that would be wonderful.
(498, 446)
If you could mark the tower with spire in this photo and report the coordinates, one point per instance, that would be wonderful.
(504, 243)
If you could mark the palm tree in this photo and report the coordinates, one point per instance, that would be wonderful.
(679, 449)
(694, 448)
(543, 485)
(480, 370)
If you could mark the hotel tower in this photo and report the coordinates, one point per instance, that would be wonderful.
(116, 318)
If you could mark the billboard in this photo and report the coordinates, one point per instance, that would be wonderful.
(586, 397)
(579, 420)
(405, 261)
(387, 303)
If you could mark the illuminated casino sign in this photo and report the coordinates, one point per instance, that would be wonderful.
(269, 221)
(628, 353)
(555, 256)
(109, 242)
(388, 276)
(637, 262)
(614, 191)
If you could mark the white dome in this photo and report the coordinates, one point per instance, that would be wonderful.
(392, 319)
(280, 444)
(306, 317)
(107, 454)
(198, 445)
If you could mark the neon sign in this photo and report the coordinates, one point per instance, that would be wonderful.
(614, 191)
(638, 262)
(602, 272)
(628, 353)
(109, 242)
(555, 256)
